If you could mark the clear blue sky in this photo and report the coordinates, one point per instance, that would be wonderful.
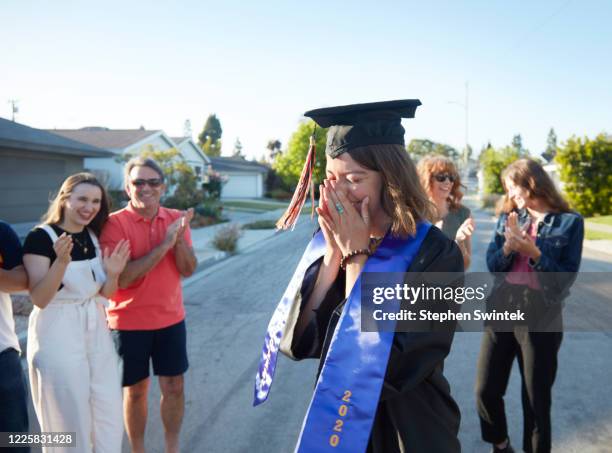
(260, 65)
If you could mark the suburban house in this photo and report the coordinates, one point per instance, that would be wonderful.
(246, 179)
(33, 165)
(128, 141)
(194, 155)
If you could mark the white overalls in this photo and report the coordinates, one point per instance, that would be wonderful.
(75, 372)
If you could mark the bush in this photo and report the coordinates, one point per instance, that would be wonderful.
(585, 167)
(226, 238)
(279, 194)
(209, 209)
(260, 225)
(212, 188)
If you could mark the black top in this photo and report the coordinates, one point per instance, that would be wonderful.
(38, 242)
(416, 412)
(357, 125)
(10, 248)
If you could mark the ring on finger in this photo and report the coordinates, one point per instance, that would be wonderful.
(339, 207)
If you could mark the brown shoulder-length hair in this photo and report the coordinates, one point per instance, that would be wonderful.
(530, 175)
(403, 198)
(55, 213)
(433, 164)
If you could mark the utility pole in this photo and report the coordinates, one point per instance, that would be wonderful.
(187, 129)
(14, 108)
(465, 106)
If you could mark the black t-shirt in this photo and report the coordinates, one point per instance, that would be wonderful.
(10, 247)
(38, 242)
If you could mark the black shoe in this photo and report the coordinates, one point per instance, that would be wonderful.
(507, 449)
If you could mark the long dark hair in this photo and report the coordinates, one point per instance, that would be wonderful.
(55, 213)
(530, 175)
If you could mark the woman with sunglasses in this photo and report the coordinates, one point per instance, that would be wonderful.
(378, 391)
(73, 367)
(535, 255)
(441, 180)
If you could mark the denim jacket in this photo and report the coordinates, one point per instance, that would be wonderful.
(559, 238)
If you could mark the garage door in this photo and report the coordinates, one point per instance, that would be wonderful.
(26, 185)
(240, 186)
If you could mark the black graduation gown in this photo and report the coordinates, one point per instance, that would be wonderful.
(416, 412)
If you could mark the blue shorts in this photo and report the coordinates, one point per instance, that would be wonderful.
(13, 396)
(166, 348)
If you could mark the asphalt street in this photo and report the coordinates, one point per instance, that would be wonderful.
(228, 308)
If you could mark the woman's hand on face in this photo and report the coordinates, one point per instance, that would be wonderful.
(63, 248)
(115, 262)
(351, 229)
(332, 252)
(465, 230)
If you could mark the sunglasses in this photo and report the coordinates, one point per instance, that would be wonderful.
(153, 182)
(441, 177)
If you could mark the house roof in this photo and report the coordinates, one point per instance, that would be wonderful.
(225, 164)
(179, 140)
(105, 137)
(20, 136)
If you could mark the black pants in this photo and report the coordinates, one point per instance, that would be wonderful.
(537, 357)
(13, 396)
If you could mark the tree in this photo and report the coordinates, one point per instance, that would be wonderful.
(493, 162)
(274, 148)
(585, 167)
(210, 137)
(517, 142)
(289, 164)
(238, 149)
(551, 146)
(180, 179)
(417, 148)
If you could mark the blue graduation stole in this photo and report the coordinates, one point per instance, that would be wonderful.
(342, 409)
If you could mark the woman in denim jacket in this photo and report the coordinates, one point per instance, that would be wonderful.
(535, 253)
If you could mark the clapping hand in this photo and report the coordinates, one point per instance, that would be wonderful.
(63, 248)
(177, 228)
(115, 262)
(465, 230)
(518, 240)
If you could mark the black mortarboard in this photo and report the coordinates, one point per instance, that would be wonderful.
(356, 125)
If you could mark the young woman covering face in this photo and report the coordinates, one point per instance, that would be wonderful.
(382, 392)
(73, 366)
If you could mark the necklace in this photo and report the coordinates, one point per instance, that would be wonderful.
(82, 245)
(375, 242)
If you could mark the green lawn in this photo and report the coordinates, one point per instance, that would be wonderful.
(253, 205)
(595, 235)
(604, 220)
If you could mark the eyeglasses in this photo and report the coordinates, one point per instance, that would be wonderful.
(153, 182)
(441, 177)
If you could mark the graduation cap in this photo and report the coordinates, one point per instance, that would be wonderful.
(357, 125)
(350, 127)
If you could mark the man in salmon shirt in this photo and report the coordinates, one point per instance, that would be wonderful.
(146, 314)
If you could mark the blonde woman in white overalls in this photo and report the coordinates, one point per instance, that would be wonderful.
(73, 367)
